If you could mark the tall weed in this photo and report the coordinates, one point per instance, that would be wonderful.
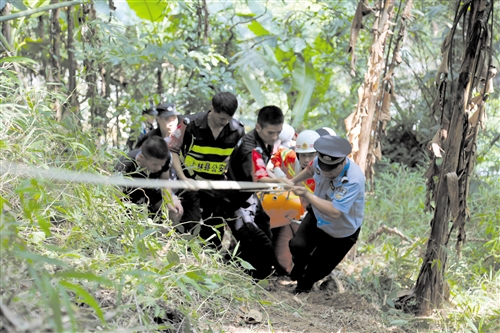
(77, 258)
(388, 264)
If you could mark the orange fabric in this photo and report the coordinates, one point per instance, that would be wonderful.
(258, 166)
(285, 159)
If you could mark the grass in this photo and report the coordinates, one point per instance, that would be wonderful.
(75, 258)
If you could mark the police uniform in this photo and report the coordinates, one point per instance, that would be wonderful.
(322, 242)
(162, 110)
(204, 157)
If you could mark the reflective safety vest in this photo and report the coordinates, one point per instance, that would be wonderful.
(202, 155)
(286, 159)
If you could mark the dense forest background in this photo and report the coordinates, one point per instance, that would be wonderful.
(74, 79)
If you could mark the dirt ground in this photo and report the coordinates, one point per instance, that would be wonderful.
(328, 309)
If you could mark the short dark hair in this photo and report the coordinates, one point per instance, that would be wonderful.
(270, 115)
(226, 102)
(155, 147)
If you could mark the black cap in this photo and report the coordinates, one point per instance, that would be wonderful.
(167, 110)
(332, 150)
(325, 131)
(150, 111)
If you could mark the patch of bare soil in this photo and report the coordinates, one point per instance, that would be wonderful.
(322, 310)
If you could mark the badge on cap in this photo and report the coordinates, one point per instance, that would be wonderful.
(305, 146)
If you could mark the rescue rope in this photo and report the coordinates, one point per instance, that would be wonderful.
(22, 170)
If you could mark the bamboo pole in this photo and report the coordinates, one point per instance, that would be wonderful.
(39, 10)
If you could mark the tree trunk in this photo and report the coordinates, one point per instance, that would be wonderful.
(41, 33)
(368, 121)
(73, 99)
(55, 56)
(159, 73)
(6, 25)
(360, 123)
(457, 162)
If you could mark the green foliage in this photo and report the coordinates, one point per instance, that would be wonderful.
(75, 255)
(153, 11)
(388, 264)
(77, 258)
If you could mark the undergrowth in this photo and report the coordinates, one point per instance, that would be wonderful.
(77, 258)
(389, 264)
(74, 257)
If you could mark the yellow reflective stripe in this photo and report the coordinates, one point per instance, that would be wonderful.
(212, 150)
(194, 165)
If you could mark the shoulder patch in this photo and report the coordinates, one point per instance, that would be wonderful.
(186, 120)
(339, 193)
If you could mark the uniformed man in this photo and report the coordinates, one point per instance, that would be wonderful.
(146, 126)
(247, 220)
(201, 147)
(167, 118)
(151, 161)
(334, 216)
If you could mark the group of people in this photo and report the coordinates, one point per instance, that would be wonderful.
(213, 145)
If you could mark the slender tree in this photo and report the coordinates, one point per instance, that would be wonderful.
(461, 109)
(366, 124)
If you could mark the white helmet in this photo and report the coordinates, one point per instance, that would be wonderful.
(305, 141)
(286, 136)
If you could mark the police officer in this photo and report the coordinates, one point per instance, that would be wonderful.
(334, 216)
(201, 148)
(167, 118)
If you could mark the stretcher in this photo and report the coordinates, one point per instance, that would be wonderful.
(282, 207)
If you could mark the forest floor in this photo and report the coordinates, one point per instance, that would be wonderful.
(329, 307)
(325, 309)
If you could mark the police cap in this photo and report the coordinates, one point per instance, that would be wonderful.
(167, 110)
(332, 150)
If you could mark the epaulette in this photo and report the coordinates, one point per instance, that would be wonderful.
(186, 121)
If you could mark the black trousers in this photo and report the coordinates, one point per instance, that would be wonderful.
(315, 253)
(251, 228)
(202, 205)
